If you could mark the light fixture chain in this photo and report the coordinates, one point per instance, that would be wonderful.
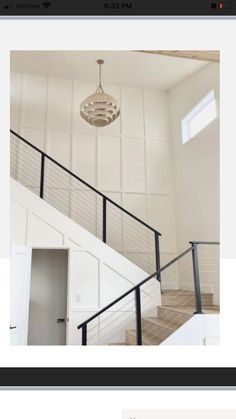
(100, 88)
(100, 74)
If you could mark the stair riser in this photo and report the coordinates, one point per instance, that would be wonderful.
(131, 340)
(177, 318)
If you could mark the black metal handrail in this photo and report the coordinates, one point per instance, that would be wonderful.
(105, 199)
(203, 242)
(136, 289)
(196, 276)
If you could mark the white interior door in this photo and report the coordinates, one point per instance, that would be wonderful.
(48, 297)
(19, 294)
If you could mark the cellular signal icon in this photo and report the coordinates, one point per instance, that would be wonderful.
(46, 4)
(8, 6)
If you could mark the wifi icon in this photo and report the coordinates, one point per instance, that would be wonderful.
(46, 4)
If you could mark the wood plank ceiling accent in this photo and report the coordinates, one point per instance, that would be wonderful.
(213, 56)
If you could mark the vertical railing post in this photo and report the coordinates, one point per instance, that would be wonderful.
(157, 255)
(84, 334)
(104, 220)
(138, 317)
(42, 175)
(196, 279)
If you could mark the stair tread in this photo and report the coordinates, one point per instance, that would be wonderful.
(190, 309)
(187, 292)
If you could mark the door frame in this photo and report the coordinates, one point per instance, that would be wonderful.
(62, 247)
(24, 250)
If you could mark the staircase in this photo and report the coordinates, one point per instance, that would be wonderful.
(44, 176)
(177, 308)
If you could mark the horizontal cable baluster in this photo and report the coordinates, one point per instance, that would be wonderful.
(128, 234)
(129, 317)
(121, 309)
(82, 181)
(59, 192)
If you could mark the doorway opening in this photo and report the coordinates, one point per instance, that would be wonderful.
(48, 297)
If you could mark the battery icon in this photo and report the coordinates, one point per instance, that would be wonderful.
(225, 5)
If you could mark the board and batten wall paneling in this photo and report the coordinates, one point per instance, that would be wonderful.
(42, 234)
(160, 217)
(109, 158)
(58, 146)
(134, 165)
(84, 277)
(156, 115)
(129, 160)
(114, 222)
(135, 235)
(97, 273)
(59, 114)
(36, 136)
(158, 169)
(19, 223)
(132, 112)
(15, 95)
(85, 157)
(34, 102)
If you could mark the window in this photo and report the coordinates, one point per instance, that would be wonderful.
(199, 117)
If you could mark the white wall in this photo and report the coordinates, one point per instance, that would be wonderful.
(98, 274)
(196, 163)
(196, 178)
(129, 160)
(201, 329)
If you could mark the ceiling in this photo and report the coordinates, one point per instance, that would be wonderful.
(205, 55)
(131, 68)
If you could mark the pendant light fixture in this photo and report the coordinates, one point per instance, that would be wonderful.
(99, 109)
